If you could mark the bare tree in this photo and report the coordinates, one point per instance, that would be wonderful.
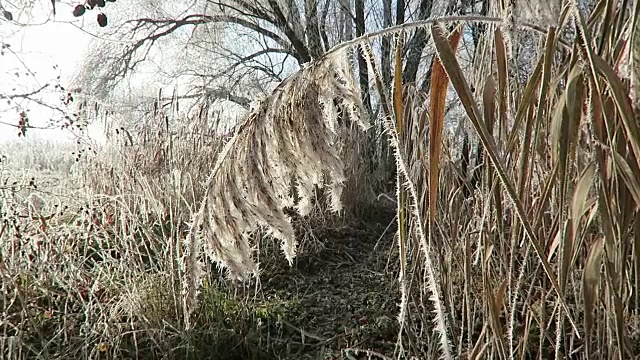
(30, 97)
(264, 42)
(23, 91)
(256, 43)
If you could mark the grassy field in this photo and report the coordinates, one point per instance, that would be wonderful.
(516, 237)
(87, 275)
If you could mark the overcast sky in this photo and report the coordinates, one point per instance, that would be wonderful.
(39, 54)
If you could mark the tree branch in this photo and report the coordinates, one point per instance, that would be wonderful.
(160, 28)
(25, 95)
(283, 24)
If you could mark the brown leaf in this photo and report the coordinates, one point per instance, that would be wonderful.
(439, 86)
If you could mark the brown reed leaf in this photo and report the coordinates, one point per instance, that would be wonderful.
(439, 87)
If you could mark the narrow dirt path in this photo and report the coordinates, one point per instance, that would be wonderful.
(345, 295)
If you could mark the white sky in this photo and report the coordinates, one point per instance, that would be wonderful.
(60, 42)
(63, 41)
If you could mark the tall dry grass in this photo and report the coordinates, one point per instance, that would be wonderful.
(541, 260)
(517, 240)
(91, 246)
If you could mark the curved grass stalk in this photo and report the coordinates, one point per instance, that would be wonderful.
(289, 136)
(430, 262)
(393, 30)
(401, 194)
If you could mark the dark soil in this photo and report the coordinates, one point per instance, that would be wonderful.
(343, 287)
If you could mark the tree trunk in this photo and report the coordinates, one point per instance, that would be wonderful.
(400, 12)
(312, 28)
(417, 44)
(386, 43)
(362, 64)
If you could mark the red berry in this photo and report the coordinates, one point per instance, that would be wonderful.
(102, 20)
(79, 10)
